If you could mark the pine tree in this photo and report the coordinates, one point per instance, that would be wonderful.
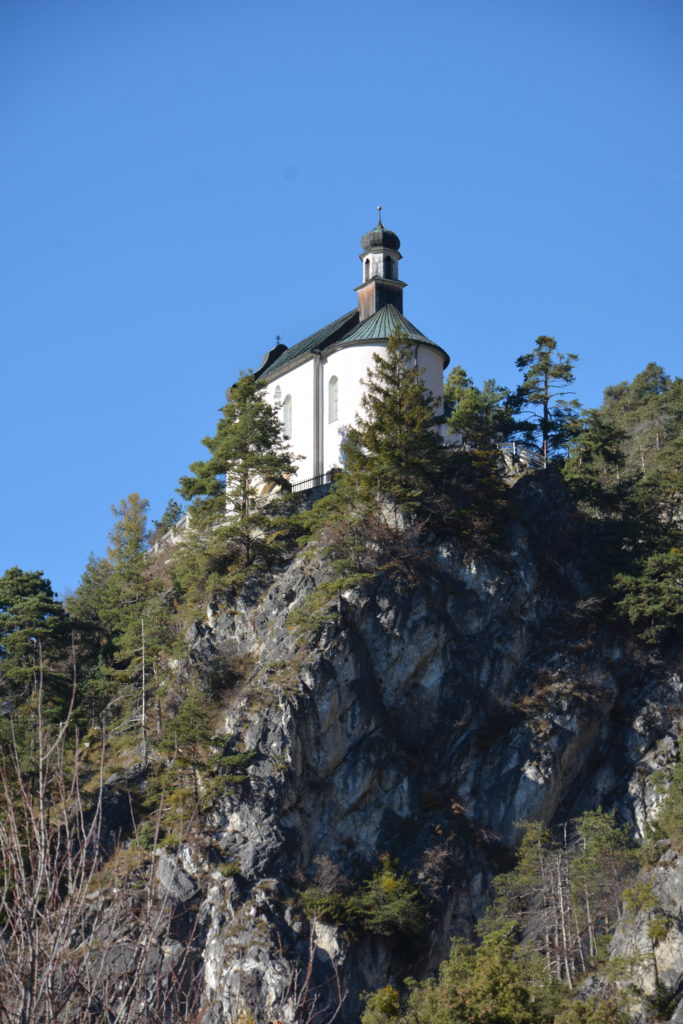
(34, 638)
(546, 376)
(481, 415)
(625, 468)
(115, 597)
(602, 859)
(496, 983)
(394, 452)
(248, 457)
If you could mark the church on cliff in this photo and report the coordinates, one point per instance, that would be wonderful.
(317, 384)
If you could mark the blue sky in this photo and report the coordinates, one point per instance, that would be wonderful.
(180, 182)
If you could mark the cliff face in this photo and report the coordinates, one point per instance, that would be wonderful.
(429, 716)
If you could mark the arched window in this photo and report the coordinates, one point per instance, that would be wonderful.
(287, 417)
(277, 397)
(332, 400)
(367, 270)
(388, 267)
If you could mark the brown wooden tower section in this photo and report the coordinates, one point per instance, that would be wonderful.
(380, 256)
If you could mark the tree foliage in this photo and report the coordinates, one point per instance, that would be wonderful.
(496, 982)
(394, 452)
(625, 468)
(34, 638)
(231, 525)
(564, 895)
(549, 418)
(482, 416)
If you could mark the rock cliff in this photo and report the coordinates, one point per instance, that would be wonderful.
(429, 715)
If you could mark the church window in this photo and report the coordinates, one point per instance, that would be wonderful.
(277, 398)
(287, 417)
(333, 400)
(367, 270)
(388, 267)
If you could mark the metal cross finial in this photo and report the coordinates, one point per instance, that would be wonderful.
(379, 211)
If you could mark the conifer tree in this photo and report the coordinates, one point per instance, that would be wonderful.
(248, 455)
(109, 608)
(552, 419)
(625, 467)
(394, 452)
(481, 415)
(34, 637)
(496, 983)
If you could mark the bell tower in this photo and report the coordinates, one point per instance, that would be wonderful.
(380, 256)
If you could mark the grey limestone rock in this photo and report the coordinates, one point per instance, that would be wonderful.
(424, 720)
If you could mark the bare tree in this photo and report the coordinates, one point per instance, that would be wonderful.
(82, 926)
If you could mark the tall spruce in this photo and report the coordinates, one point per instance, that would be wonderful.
(549, 418)
(394, 453)
(233, 529)
(482, 416)
(625, 468)
(34, 639)
(248, 454)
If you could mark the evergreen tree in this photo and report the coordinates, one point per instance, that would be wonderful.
(248, 455)
(652, 596)
(172, 514)
(596, 460)
(552, 419)
(388, 903)
(109, 608)
(34, 638)
(495, 983)
(481, 416)
(565, 895)
(394, 453)
(602, 859)
(669, 822)
(625, 468)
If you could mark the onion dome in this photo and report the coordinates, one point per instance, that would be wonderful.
(380, 237)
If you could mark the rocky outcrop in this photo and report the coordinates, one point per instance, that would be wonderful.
(425, 719)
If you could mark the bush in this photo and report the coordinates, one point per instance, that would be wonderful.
(388, 903)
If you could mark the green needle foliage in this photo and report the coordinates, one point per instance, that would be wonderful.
(393, 453)
(482, 416)
(233, 530)
(551, 418)
(34, 637)
(388, 903)
(625, 468)
(494, 983)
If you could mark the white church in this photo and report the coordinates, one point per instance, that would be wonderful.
(317, 383)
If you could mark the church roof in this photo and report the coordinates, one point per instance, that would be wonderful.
(347, 331)
(321, 339)
(382, 324)
(380, 238)
(385, 322)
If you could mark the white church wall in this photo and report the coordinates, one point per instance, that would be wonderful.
(431, 364)
(299, 384)
(350, 366)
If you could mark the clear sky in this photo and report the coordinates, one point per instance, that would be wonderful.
(180, 182)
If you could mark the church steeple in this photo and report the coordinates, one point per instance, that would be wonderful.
(380, 257)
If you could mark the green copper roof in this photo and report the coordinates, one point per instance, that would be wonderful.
(385, 322)
(321, 339)
(382, 324)
(346, 330)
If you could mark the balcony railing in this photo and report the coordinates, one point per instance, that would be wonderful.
(314, 481)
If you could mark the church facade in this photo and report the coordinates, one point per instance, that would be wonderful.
(317, 384)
